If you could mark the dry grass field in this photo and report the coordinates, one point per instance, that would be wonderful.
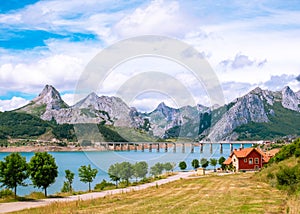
(238, 193)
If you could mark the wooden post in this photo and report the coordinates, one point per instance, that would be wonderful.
(192, 148)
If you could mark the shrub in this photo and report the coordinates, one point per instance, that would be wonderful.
(6, 192)
(103, 185)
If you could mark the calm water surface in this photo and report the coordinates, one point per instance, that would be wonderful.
(102, 161)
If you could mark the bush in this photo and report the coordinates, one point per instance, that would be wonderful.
(288, 178)
(103, 185)
(6, 192)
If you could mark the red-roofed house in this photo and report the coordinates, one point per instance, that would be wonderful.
(247, 159)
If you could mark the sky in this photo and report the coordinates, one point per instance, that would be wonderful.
(248, 44)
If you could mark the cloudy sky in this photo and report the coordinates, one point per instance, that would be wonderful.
(247, 44)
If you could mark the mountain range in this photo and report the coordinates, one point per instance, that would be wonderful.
(260, 114)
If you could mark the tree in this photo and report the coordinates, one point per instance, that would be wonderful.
(69, 176)
(126, 171)
(168, 166)
(114, 173)
(13, 171)
(157, 169)
(204, 163)
(195, 164)
(221, 162)
(87, 174)
(182, 165)
(43, 170)
(213, 162)
(140, 169)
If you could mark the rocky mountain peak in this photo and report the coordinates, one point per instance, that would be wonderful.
(257, 90)
(290, 100)
(49, 97)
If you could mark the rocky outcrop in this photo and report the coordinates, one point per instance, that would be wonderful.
(49, 99)
(249, 108)
(290, 100)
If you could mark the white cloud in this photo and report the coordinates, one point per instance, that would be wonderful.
(158, 17)
(14, 103)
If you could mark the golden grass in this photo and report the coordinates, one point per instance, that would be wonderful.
(213, 194)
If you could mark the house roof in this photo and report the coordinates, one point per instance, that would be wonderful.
(228, 161)
(242, 153)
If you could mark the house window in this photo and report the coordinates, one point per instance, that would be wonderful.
(256, 167)
(250, 160)
(256, 160)
(245, 160)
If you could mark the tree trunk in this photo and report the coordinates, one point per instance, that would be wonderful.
(15, 191)
(89, 186)
(45, 188)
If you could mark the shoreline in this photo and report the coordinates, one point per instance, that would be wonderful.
(49, 149)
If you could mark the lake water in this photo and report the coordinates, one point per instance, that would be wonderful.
(102, 161)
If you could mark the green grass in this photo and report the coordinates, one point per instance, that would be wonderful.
(238, 193)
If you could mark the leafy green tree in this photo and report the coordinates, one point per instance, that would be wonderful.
(87, 174)
(140, 169)
(204, 163)
(213, 162)
(70, 177)
(126, 171)
(157, 169)
(114, 173)
(168, 166)
(221, 162)
(13, 171)
(195, 163)
(42, 170)
(182, 165)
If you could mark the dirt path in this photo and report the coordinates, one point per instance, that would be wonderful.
(15, 206)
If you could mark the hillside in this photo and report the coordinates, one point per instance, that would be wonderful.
(260, 114)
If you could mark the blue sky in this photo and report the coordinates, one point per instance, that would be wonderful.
(247, 43)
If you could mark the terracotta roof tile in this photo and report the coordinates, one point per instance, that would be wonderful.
(243, 152)
(228, 161)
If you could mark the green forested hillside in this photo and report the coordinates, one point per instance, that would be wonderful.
(283, 122)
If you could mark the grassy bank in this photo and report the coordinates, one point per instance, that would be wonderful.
(238, 193)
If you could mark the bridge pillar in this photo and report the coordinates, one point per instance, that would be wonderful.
(166, 147)
(221, 148)
(201, 147)
(192, 148)
(143, 147)
(231, 147)
(150, 147)
(242, 146)
(183, 148)
(157, 148)
(121, 146)
(174, 147)
(135, 147)
(128, 147)
(211, 148)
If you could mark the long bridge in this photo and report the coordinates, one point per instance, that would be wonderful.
(158, 146)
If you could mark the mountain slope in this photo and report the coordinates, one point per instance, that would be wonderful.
(257, 108)
(49, 99)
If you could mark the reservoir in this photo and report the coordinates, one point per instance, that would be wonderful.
(103, 159)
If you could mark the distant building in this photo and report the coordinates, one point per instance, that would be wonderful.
(248, 159)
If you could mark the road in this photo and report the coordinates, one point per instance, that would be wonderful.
(16, 206)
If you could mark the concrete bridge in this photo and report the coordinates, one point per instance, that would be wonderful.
(165, 146)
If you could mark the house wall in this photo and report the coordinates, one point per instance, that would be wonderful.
(246, 166)
(235, 162)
